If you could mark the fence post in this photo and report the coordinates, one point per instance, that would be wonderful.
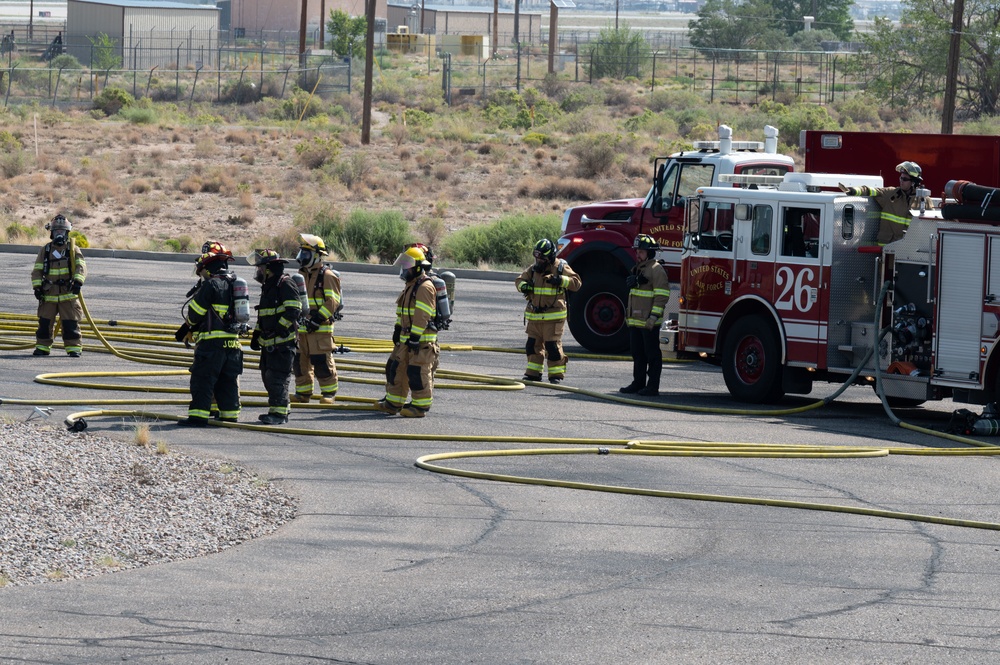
(652, 83)
(711, 95)
(149, 81)
(193, 86)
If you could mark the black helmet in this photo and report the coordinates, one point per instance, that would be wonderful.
(545, 249)
(643, 241)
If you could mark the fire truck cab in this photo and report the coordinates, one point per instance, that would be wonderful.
(781, 283)
(596, 239)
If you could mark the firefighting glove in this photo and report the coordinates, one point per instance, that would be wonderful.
(396, 332)
(525, 287)
(38, 294)
(642, 279)
(554, 280)
(651, 322)
(413, 343)
(255, 340)
(183, 332)
(844, 188)
(631, 281)
(76, 286)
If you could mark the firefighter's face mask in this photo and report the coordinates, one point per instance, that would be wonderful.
(305, 258)
(59, 238)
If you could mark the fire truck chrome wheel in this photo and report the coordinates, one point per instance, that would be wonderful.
(597, 314)
(751, 361)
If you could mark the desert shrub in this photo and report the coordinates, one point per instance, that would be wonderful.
(13, 163)
(417, 118)
(573, 189)
(860, 109)
(65, 61)
(803, 116)
(239, 92)
(597, 154)
(79, 239)
(299, 105)
(581, 98)
(172, 244)
(139, 116)
(674, 100)
(381, 234)
(317, 152)
(112, 99)
(986, 125)
(509, 240)
(9, 142)
(351, 170)
(536, 139)
(17, 232)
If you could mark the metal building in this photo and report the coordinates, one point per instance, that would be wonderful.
(142, 33)
(457, 20)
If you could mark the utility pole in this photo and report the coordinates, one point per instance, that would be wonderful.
(951, 78)
(303, 19)
(366, 109)
(617, 2)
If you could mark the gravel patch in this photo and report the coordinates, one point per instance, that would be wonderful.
(78, 505)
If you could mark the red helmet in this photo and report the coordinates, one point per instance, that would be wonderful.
(214, 253)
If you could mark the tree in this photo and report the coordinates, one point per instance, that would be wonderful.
(905, 66)
(347, 34)
(832, 15)
(104, 53)
(618, 53)
(728, 24)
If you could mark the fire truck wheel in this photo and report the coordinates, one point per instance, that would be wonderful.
(751, 361)
(597, 313)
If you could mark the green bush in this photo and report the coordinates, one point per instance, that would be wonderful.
(509, 240)
(65, 61)
(597, 154)
(139, 116)
(314, 154)
(79, 239)
(363, 234)
(112, 99)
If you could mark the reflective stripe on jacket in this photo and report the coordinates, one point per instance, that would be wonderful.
(57, 283)
(278, 311)
(415, 309)
(324, 296)
(208, 309)
(547, 302)
(650, 298)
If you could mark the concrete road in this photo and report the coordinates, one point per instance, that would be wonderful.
(391, 564)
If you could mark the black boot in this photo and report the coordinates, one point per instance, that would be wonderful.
(193, 422)
(631, 388)
(649, 391)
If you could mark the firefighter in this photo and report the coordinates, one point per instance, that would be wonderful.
(415, 354)
(211, 323)
(649, 291)
(544, 285)
(894, 202)
(56, 279)
(276, 332)
(316, 345)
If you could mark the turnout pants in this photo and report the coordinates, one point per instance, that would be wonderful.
(70, 313)
(647, 359)
(409, 373)
(276, 364)
(315, 359)
(545, 344)
(216, 371)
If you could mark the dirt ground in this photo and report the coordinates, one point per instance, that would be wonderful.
(169, 186)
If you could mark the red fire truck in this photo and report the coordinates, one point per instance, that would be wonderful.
(597, 238)
(782, 285)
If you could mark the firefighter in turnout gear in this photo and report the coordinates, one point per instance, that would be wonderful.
(414, 357)
(316, 345)
(894, 202)
(649, 291)
(56, 279)
(544, 285)
(276, 332)
(211, 322)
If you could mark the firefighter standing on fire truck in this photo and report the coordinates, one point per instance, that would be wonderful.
(544, 285)
(316, 345)
(218, 356)
(649, 291)
(894, 202)
(56, 279)
(276, 332)
(410, 368)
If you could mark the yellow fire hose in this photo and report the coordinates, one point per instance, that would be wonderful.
(154, 344)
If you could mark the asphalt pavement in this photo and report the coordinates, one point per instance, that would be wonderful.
(391, 564)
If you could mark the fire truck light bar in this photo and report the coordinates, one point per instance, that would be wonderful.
(747, 179)
(737, 145)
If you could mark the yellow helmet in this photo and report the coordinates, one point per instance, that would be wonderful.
(311, 249)
(911, 169)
